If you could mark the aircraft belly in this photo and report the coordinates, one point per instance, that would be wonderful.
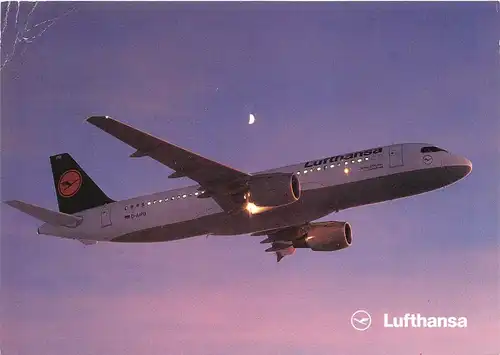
(306, 209)
(317, 203)
(386, 187)
(172, 231)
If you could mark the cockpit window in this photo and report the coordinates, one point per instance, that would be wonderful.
(431, 149)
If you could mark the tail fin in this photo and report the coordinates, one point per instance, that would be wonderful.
(75, 190)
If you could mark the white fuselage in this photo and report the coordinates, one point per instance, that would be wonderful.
(328, 185)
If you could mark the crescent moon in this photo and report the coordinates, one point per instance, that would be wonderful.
(251, 120)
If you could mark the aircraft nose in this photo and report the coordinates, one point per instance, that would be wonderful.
(457, 166)
(465, 163)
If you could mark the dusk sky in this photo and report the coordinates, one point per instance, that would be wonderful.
(322, 79)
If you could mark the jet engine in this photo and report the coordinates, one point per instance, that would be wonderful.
(326, 236)
(274, 189)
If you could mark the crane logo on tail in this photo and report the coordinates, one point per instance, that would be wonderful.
(69, 183)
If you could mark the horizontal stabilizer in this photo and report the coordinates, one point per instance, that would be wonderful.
(45, 215)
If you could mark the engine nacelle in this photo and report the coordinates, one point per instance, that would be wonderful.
(274, 189)
(326, 236)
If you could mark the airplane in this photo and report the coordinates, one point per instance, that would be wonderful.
(281, 204)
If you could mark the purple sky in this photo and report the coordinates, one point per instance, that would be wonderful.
(322, 79)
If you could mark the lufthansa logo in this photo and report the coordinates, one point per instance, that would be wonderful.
(427, 159)
(69, 183)
(361, 320)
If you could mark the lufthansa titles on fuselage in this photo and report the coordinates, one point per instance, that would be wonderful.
(338, 158)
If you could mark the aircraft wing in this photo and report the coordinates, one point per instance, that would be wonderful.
(220, 180)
